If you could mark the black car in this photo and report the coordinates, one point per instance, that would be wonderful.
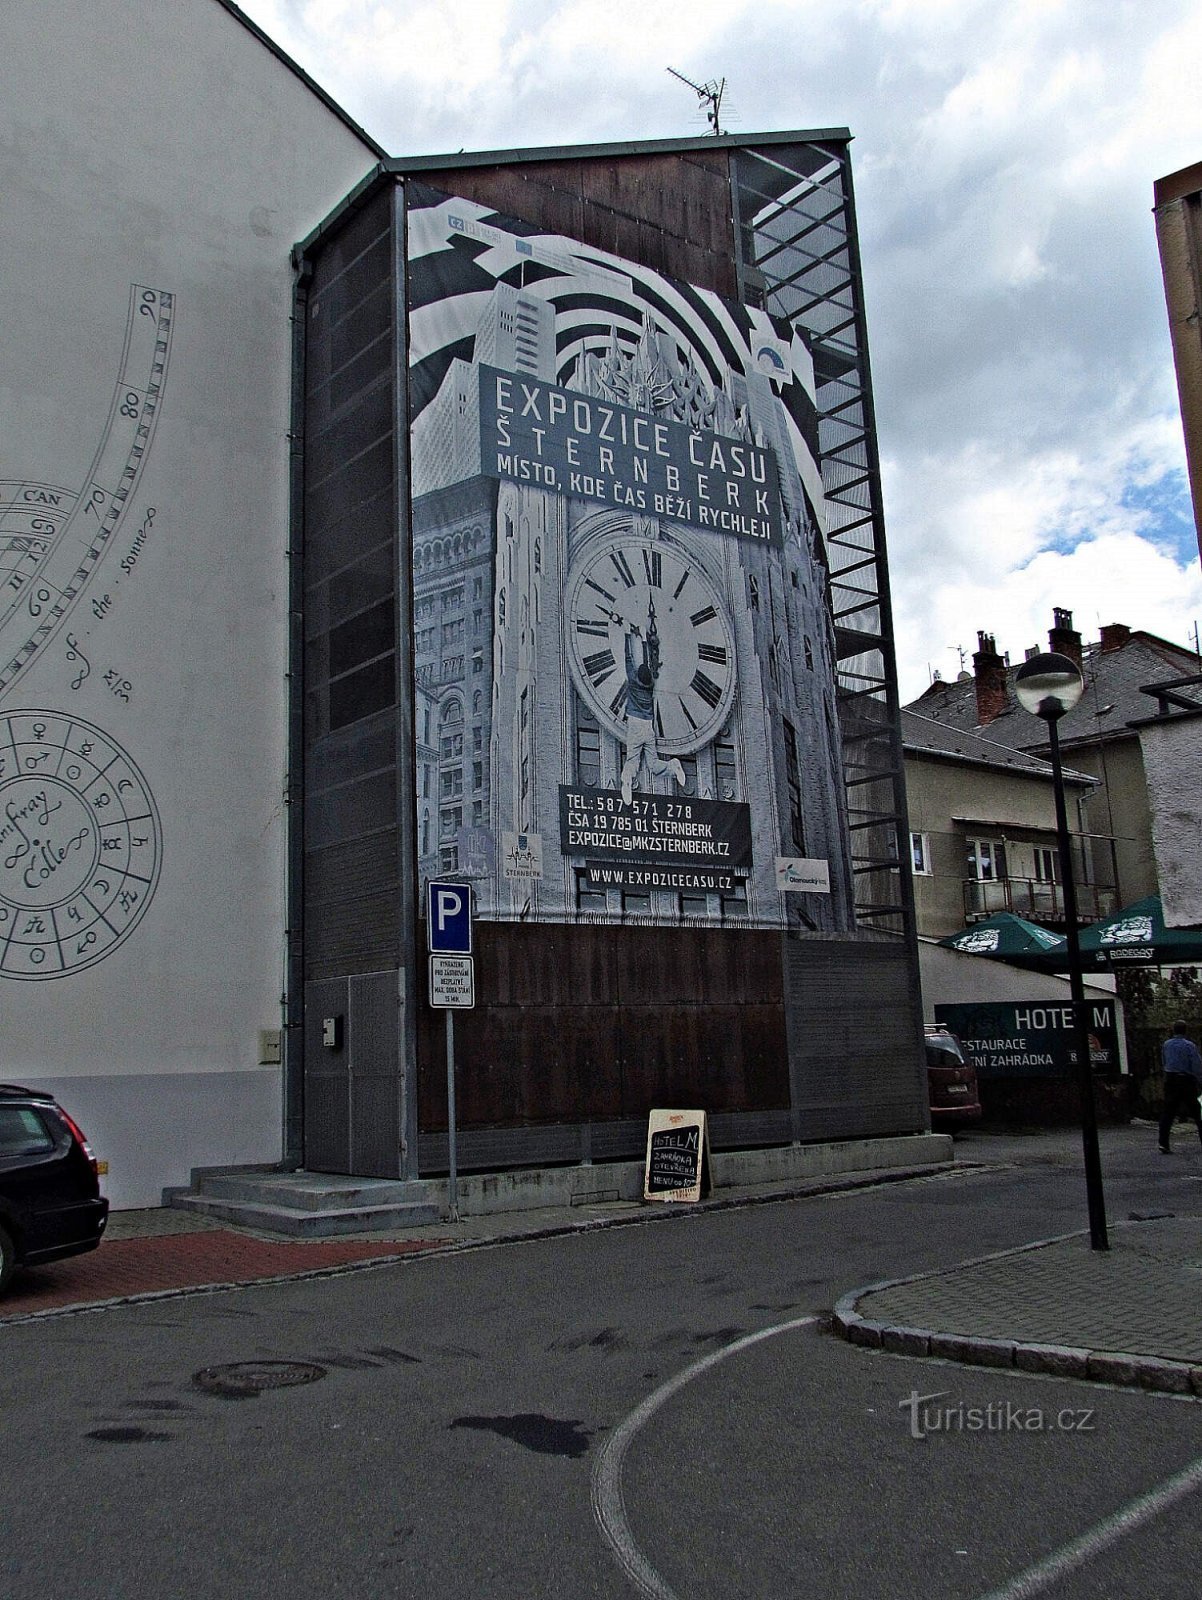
(50, 1200)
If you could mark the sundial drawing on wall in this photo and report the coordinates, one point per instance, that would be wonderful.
(79, 844)
(79, 830)
(52, 540)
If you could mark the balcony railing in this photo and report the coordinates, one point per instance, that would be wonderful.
(1035, 899)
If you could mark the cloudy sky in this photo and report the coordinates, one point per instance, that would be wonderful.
(1004, 157)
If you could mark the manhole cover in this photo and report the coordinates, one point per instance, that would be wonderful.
(241, 1380)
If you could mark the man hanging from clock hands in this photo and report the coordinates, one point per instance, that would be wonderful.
(642, 671)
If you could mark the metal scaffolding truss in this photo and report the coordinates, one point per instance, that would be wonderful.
(798, 257)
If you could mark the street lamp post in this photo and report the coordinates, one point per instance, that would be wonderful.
(1048, 686)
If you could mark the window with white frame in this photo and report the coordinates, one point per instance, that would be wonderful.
(920, 854)
(986, 859)
(1047, 865)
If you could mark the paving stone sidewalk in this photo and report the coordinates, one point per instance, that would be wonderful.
(162, 1250)
(169, 1259)
(1131, 1314)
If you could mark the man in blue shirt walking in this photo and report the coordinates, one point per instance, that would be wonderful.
(1182, 1082)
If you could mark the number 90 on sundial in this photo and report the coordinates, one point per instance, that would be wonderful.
(80, 845)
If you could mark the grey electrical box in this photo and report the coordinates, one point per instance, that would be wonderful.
(331, 1033)
(270, 1047)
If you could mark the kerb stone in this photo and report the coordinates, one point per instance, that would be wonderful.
(906, 1341)
(980, 1352)
(1061, 1360)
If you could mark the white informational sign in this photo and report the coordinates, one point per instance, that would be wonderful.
(800, 875)
(522, 855)
(453, 982)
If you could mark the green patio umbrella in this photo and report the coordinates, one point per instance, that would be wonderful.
(1005, 937)
(1136, 936)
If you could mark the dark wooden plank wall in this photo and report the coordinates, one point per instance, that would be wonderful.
(673, 213)
(588, 1024)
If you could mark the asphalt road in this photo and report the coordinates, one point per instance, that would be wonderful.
(592, 1415)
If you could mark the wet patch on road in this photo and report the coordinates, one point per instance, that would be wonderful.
(127, 1436)
(603, 1339)
(549, 1436)
(397, 1358)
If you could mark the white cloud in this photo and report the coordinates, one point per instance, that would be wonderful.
(1116, 577)
(1004, 159)
(983, 541)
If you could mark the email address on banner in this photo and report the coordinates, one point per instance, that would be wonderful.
(578, 839)
(660, 878)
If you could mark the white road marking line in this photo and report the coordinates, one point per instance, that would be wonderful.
(1101, 1536)
(609, 1507)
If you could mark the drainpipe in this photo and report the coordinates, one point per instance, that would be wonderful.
(294, 793)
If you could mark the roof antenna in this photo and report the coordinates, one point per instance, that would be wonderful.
(707, 94)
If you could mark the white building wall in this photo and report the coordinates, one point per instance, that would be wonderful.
(1172, 753)
(159, 146)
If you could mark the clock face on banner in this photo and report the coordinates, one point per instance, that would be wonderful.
(619, 582)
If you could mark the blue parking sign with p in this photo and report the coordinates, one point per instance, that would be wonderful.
(449, 918)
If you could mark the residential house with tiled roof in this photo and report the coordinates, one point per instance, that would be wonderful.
(982, 819)
(1097, 739)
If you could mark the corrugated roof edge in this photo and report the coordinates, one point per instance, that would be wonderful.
(626, 147)
(1026, 764)
(310, 83)
(414, 166)
(956, 758)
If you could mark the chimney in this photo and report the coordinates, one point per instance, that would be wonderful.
(1114, 635)
(1063, 638)
(989, 671)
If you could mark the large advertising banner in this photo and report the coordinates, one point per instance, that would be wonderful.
(624, 653)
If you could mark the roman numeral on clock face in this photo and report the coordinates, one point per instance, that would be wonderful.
(712, 652)
(706, 688)
(618, 557)
(653, 565)
(706, 614)
(599, 666)
(594, 630)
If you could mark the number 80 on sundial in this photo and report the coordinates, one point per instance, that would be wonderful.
(80, 845)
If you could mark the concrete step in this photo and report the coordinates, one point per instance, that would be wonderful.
(302, 1191)
(307, 1205)
(298, 1223)
(315, 1204)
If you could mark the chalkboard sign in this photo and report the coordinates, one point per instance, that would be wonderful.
(678, 1156)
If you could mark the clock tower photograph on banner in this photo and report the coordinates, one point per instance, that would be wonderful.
(624, 647)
